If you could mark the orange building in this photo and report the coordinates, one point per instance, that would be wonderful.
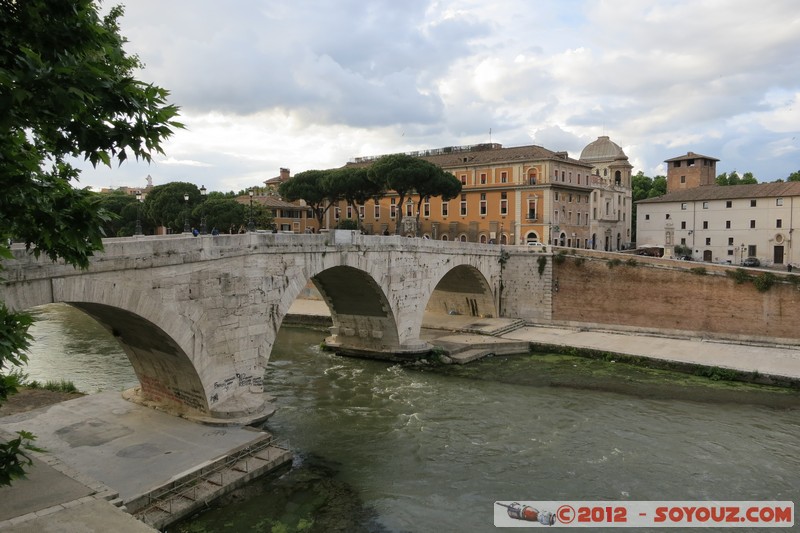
(513, 195)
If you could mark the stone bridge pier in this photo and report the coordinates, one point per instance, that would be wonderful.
(198, 316)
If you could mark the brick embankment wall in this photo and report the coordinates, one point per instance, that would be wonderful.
(674, 299)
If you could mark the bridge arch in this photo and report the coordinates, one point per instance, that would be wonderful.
(158, 346)
(363, 320)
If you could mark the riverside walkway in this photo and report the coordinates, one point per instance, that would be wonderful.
(778, 360)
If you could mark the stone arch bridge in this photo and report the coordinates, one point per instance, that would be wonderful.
(198, 316)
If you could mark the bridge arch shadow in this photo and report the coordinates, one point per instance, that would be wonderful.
(167, 376)
(462, 291)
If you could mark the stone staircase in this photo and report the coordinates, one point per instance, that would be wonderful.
(465, 353)
(192, 490)
(508, 328)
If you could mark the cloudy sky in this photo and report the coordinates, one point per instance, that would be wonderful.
(304, 84)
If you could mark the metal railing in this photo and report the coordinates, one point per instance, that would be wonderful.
(187, 487)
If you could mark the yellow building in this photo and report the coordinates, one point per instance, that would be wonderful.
(513, 195)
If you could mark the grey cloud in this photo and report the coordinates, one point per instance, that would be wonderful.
(357, 59)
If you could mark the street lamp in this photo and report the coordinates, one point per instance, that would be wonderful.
(138, 213)
(186, 228)
(203, 193)
(250, 225)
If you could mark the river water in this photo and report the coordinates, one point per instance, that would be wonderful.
(383, 447)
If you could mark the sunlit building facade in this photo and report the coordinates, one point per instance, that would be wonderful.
(516, 195)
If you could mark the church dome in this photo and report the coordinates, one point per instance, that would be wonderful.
(603, 149)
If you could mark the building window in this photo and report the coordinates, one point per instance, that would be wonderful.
(683, 179)
(779, 223)
(483, 179)
(483, 203)
(556, 196)
(336, 213)
(646, 217)
(569, 217)
(361, 212)
(409, 209)
(445, 209)
(728, 204)
(376, 211)
(727, 224)
(463, 205)
(555, 216)
(426, 209)
(778, 201)
(753, 203)
(503, 177)
(705, 205)
(708, 241)
(730, 252)
(532, 178)
(667, 216)
(503, 203)
(563, 175)
(683, 207)
(570, 198)
(463, 179)
(705, 224)
(730, 241)
(683, 241)
(349, 211)
(393, 209)
(532, 209)
(683, 224)
(676, 164)
(752, 224)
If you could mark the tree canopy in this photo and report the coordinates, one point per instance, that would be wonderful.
(734, 179)
(310, 186)
(165, 205)
(406, 174)
(647, 187)
(67, 90)
(353, 185)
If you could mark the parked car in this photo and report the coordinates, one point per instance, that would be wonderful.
(686, 258)
(535, 243)
(751, 262)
